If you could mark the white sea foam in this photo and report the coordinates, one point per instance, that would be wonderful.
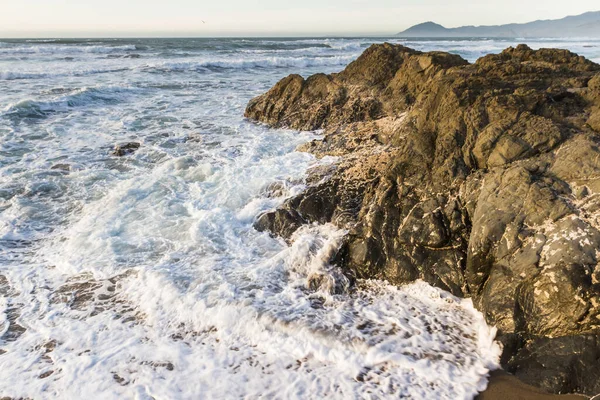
(242, 330)
(199, 65)
(9, 75)
(210, 308)
(13, 75)
(70, 49)
(4, 323)
(249, 63)
(142, 277)
(77, 98)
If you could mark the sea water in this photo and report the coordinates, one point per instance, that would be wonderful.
(142, 277)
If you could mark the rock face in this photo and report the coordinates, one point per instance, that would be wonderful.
(482, 179)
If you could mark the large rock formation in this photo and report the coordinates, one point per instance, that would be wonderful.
(482, 179)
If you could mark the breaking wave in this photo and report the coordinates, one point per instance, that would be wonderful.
(77, 98)
(250, 63)
(72, 49)
(23, 75)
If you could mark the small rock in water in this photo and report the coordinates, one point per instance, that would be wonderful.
(192, 137)
(62, 167)
(124, 149)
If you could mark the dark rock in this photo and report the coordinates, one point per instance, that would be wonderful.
(482, 179)
(569, 364)
(283, 221)
(61, 167)
(124, 149)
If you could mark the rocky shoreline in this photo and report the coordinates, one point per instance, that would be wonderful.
(482, 179)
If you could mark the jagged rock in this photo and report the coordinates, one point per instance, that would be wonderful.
(482, 179)
(124, 149)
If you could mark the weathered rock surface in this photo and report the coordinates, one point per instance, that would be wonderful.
(124, 149)
(482, 179)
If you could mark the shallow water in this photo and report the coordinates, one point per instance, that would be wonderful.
(142, 277)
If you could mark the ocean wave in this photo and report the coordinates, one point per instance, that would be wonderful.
(77, 98)
(70, 49)
(16, 75)
(335, 44)
(68, 41)
(275, 45)
(310, 50)
(267, 62)
(195, 65)
(349, 46)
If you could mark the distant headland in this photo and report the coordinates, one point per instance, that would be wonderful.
(584, 25)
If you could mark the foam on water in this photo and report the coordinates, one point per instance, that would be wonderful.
(142, 277)
(200, 65)
(164, 279)
(9, 75)
(49, 49)
(251, 63)
(247, 330)
(76, 98)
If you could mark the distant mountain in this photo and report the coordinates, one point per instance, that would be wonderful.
(584, 25)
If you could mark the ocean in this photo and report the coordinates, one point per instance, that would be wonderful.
(142, 277)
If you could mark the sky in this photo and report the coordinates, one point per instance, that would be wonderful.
(122, 18)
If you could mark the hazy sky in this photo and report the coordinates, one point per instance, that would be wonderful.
(36, 18)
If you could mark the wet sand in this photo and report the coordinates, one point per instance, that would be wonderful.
(504, 386)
